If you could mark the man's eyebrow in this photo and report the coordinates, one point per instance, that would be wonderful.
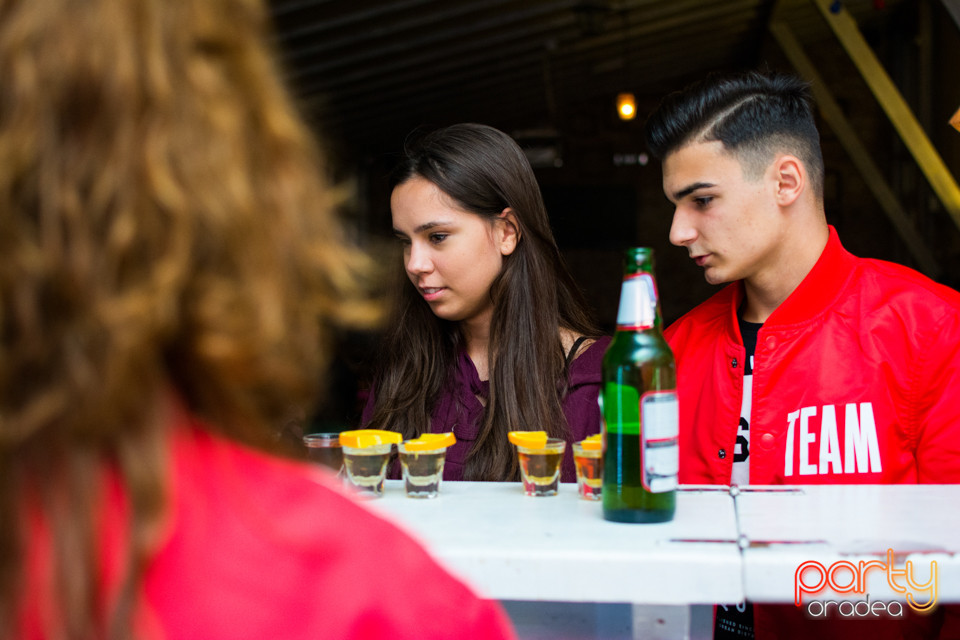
(683, 193)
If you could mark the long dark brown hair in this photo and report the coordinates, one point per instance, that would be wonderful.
(165, 232)
(484, 171)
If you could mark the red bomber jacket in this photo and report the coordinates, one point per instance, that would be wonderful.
(856, 380)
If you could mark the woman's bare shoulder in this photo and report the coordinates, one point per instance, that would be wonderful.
(569, 338)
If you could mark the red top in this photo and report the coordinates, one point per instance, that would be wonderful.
(256, 547)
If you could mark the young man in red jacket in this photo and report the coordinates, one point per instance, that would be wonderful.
(813, 366)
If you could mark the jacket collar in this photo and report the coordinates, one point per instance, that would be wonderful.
(815, 293)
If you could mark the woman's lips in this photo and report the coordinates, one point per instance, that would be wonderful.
(431, 293)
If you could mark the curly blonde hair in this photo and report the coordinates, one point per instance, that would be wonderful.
(165, 229)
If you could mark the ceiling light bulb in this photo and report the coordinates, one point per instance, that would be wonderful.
(626, 106)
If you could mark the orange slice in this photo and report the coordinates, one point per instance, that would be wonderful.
(592, 443)
(362, 438)
(430, 442)
(529, 439)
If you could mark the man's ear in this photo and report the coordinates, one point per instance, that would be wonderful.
(791, 176)
(508, 231)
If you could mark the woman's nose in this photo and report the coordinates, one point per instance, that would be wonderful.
(418, 259)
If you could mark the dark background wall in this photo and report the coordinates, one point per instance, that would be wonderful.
(603, 192)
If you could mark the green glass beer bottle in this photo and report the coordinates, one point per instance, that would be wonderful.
(638, 405)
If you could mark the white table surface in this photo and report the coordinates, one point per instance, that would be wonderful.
(512, 547)
(782, 528)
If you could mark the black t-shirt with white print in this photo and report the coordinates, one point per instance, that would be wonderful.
(741, 455)
(735, 622)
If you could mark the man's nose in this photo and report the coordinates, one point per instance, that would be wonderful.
(682, 232)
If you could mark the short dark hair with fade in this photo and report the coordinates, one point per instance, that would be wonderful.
(754, 115)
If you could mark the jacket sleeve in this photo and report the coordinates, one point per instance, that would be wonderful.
(937, 404)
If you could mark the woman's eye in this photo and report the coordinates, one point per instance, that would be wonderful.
(402, 240)
(437, 238)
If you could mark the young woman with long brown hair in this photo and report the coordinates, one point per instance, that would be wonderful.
(490, 334)
(170, 270)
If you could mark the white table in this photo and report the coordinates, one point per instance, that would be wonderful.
(553, 559)
(559, 548)
(783, 527)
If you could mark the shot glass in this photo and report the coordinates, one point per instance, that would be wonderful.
(325, 449)
(421, 460)
(366, 453)
(588, 458)
(540, 467)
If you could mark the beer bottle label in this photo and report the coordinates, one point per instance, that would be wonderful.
(638, 303)
(659, 436)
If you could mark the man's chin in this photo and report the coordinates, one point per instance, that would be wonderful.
(714, 276)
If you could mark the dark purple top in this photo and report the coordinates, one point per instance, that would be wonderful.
(459, 410)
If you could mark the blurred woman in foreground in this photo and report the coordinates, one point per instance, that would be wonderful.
(170, 268)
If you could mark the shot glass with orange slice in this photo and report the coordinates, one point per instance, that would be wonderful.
(540, 458)
(588, 458)
(366, 453)
(422, 462)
